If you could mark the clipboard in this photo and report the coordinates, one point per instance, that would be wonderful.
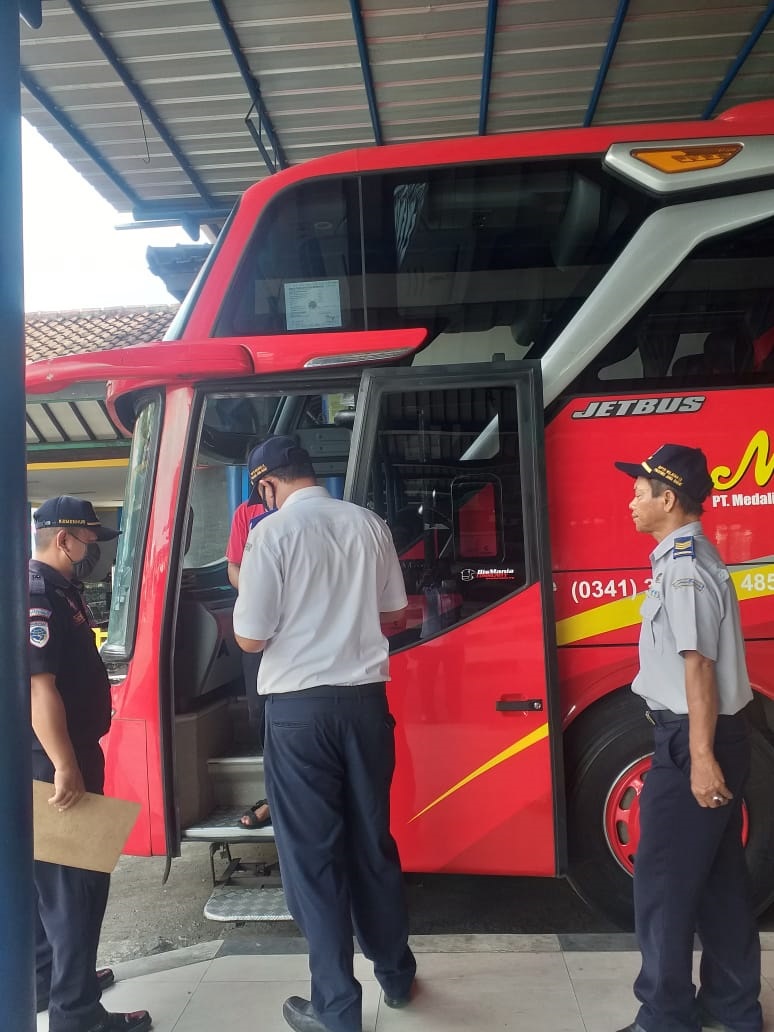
(89, 835)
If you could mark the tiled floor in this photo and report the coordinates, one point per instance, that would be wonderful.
(471, 983)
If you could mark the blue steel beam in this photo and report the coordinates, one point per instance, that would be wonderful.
(227, 27)
(741, 57)
(365, 66)
(75, 133)
(144, 104)
(607, 57)
(486, 71)
(17, 960)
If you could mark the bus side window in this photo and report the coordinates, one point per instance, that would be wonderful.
(710, 323)
(445, 476)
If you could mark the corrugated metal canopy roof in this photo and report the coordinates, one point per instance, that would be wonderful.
(172, 106)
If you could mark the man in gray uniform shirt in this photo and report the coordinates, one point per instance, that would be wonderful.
(689, 872)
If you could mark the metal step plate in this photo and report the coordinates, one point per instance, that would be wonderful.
(246, 903)
(222, 825)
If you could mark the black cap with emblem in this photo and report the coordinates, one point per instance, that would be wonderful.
(676, 465)
(70, 513)
(274, 453)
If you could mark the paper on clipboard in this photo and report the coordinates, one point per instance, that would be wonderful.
(89, 835)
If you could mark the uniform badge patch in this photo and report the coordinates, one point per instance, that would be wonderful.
(39, 634)
(683, 546)
(44, 613)
(688, 582)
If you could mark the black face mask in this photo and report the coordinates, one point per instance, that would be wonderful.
(83, 567)
(265, 500)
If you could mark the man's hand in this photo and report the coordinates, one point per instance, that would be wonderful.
(68, 787)
(707, 783)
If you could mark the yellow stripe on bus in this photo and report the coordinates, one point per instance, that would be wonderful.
(625, 612)
(85, 464)
(523, 743)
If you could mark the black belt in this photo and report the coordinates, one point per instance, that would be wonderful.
(663, 716)
(335, 691)
(659, 717)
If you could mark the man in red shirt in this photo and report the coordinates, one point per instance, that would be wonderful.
(244, 519)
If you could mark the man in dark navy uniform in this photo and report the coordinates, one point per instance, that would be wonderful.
(70, 696)
(689, 871)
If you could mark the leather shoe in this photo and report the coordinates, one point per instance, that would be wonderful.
(396, 1002)
(708, 1022)
(105, 978)
(136, 1021)
(300, 1015)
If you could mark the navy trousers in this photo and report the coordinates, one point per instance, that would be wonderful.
(330, 755)
(690, 876)
(71, 906)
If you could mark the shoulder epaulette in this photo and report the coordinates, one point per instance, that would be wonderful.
(683, 546)
(37, 583)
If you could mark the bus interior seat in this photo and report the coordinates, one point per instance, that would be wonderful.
(724, 352)
(328, 447)
(207, 657)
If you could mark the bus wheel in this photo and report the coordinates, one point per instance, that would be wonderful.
(607, 759)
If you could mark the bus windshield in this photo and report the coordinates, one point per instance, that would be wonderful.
(504, 250)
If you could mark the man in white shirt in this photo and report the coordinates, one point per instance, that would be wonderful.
(317, 581)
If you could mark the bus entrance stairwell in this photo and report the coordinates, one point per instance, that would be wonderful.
(218, 768)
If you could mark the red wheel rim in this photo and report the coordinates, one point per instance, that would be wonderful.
(622, 814)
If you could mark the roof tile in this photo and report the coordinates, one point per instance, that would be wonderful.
(50, 334)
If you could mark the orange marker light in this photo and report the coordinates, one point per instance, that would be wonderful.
(687, 159)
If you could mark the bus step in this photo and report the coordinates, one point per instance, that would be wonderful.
(234, 902)
(222, 825)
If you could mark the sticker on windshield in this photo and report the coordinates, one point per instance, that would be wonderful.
(313, 305)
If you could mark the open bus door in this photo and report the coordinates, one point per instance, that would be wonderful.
(452, 459)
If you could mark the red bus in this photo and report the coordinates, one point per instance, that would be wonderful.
(465, 335)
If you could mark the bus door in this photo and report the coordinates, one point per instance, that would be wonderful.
(452, 458)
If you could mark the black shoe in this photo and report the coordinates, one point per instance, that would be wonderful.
(396, 1002)
(136, 1021)
(300, 1015)
(105, 978)
(707, 1021)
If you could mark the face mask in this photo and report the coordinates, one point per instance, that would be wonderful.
(265, 499)
(83, 567)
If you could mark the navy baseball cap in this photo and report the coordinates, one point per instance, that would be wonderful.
(70, 513)
(271, 454)
(676, 465)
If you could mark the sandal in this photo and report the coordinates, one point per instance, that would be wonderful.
(249, 821)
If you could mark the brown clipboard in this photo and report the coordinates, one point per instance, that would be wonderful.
(89, 835)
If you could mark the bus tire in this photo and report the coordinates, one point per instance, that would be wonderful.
(607, 753)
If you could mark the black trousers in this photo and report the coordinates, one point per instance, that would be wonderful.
(690, 876)
(330, 755)
(71, 906)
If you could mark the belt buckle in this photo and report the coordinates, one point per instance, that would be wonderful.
(649, 717)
